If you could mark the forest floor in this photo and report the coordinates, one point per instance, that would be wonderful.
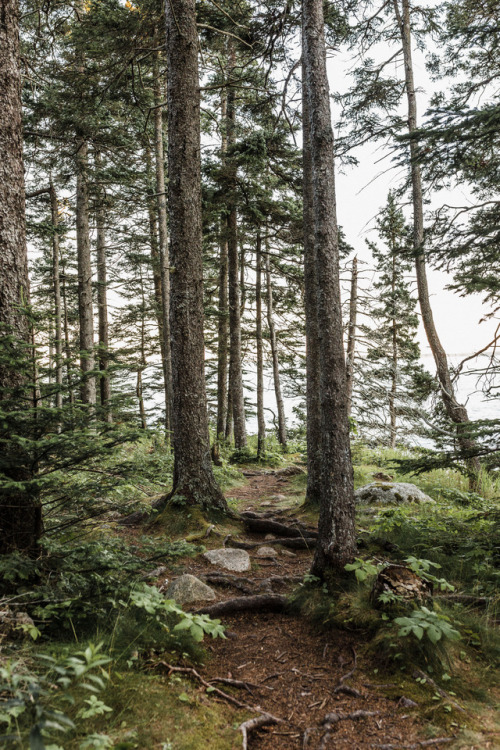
(326, 692)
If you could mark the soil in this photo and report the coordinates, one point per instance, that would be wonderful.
(295, 666)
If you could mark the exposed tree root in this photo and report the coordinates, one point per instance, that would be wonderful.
(251, 724)
(416, 745)
(257, 603)
(329, 722)
(269, 526)
(246, 727)
(292, 543)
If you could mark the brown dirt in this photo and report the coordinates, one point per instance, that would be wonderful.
(297, 666)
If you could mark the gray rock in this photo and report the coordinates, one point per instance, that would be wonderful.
(279, 498)
(266, 552)
(391, 493)
(231, 559)
(269, 536)
(288, 553)
(187, 589)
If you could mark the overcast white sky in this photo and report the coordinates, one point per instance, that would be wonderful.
(362, 191)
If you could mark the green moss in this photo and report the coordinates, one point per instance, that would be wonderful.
(152, 711)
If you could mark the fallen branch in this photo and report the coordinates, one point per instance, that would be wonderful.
(259, 602)
(419, 675)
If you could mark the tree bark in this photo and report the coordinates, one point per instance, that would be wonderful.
(394, 359)
(85, 307)
(337, 536)
(313, 405)
(351, 333)
(223, 311)
(102, 298)
(56, 281)
(261, 422)
(274, 353)
(67, 343)
(163, 244)
(20, 511)
(455, 411)
(194, 481)
(235, 365)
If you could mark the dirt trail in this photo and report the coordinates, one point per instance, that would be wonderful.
(297, 667)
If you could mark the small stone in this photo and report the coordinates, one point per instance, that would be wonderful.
(279, 498)
(266, 552)
(266, 504)
(269, 536)
(236, 560)
(288, 553)
(187, 589)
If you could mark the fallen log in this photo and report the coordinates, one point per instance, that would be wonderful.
(259, 603)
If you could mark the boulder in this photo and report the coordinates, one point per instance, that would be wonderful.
(266, 552)
(390, 493)
(236, 560)
(187, 589)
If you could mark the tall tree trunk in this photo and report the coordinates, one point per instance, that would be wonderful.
(337, 536)
(56, 282)
(102, 298)
(85, 307)
(235, 365)
(20, 511)
(313, 405)
(193, 475)
(274, 353)
(394, 359)
(67, 344)
(455, 411)
(163, 245)
(223, 312)
(157, 283)
(261, 422)
(142, 359)
(351, 333)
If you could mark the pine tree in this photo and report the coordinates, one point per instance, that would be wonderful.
(337, 540)
(20, 511)
(391, 383)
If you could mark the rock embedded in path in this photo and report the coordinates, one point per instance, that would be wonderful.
(188, 589)
(391, 493)
(288, 553)
(266, 552)
(236, 560)
(269, 536)
(278, 498)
